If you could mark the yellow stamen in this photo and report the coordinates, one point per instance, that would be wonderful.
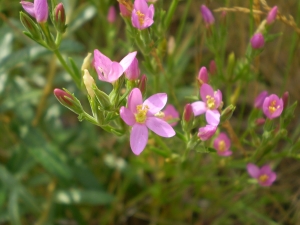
(210, 102)
(263, 178)
(141, 17)
(272, 107)
(222, 146)
(141, 114)
(160, 115)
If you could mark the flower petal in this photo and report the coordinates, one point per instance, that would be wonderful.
(253, 170)
(141, 5)
(198, 108)
(127, 116)
(156, 102)
(218, 98)
(138, 138)
(135, 98)
(206, 90)
(101, 61)
(127, 60)
(28, 7)
(206, 132)
(41, 10)
(115, 72)
(160, 127)
(150, 13)
(135, 19)
(225, 153)
(212, 117)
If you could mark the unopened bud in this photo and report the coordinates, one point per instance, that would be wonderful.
(285, 99)
(187, 118)
(260, 121)
(227, 113)
(88, 81)
(86, 62)
(272, 15)
(230, 65)
(143, 84)
(202, 76)
(171, 45)
(68, 100)
(257, 41)
(124, 11)
(212, 67)
(31, 26)
(102, 98)
(111, 16)
(60, 18)
(207, 15)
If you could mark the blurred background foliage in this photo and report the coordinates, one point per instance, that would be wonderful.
(57, 170)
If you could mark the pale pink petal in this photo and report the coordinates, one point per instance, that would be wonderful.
(225, 138)
(147, 23)
(272, 177)
(265, 107)
(160, 127)
(198, 108)
(156, 103)
(28, 7)
(101, 61)
(259, 100)
(127, 60)
(115, 72)
(41, 10)
(206, 132)
(206, 90)
(138, 138)
(150, 13)
(279, 110)
(171, 114)
(135, 98)
(135, 19)
(266, 169)
(253, 170)
(141, 5)
(127, 116)
(218, 98)
(212, 117)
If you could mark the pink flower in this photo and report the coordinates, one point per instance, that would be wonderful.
(111, 16)
(272, 15)
(222, 145)
(206, 132)
(142, 15)
(133, 71)
(265, 176)
(257, 41)
(38, 9)
(141, 116)
(207, 15)
(259, 101)
(202, 76)
(272, 106)
(209, 105)
(171, 115)
(108, 70)
(124, 11)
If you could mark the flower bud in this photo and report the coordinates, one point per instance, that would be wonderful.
(202, 76)
(227, 113)
(86, 62)
(31, 26)
(187, 118)
(68, 100)
(88, 81)
(60, 18)
(124, 11)
(207, 15)
(38, 9)
(260, 121)
(257, 41)
(272, 15)
(133, 71)
(285, 99)
(212, 67)
(143, 84)
(111, 16)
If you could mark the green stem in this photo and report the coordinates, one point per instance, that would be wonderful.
(170, 13)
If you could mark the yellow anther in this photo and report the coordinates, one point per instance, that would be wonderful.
(141, 17)
(160, 115)
(222, 146)
(210, 102)
(141, 114)
(272, 107)
(263, 178)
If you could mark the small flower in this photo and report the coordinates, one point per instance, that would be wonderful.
(285, 99)
(202, 76)
(272, 106)
(265, 176)
(259, 101)
(133, 71)
(108, 70)
(141, 116)
(207, 15)
(272, 15)
(222, 145)
(171, 115)
(142, 15)
(38, 9)
(207, 132)
(210, 104)
(124, 11)
(257, 41)
(111, 16)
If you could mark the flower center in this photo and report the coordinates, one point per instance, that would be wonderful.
(263, 178)
(141, 114)
(222, 146)
(210, 102)
(272, 107)
(141, 17)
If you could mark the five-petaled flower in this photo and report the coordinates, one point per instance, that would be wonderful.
(142, 15)
(222, 145)
(170, 115)
(207, 132)
(272, 106)
(108, 70)
(210, 104)
(38, 9)
(142, 115)
(264, 175)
